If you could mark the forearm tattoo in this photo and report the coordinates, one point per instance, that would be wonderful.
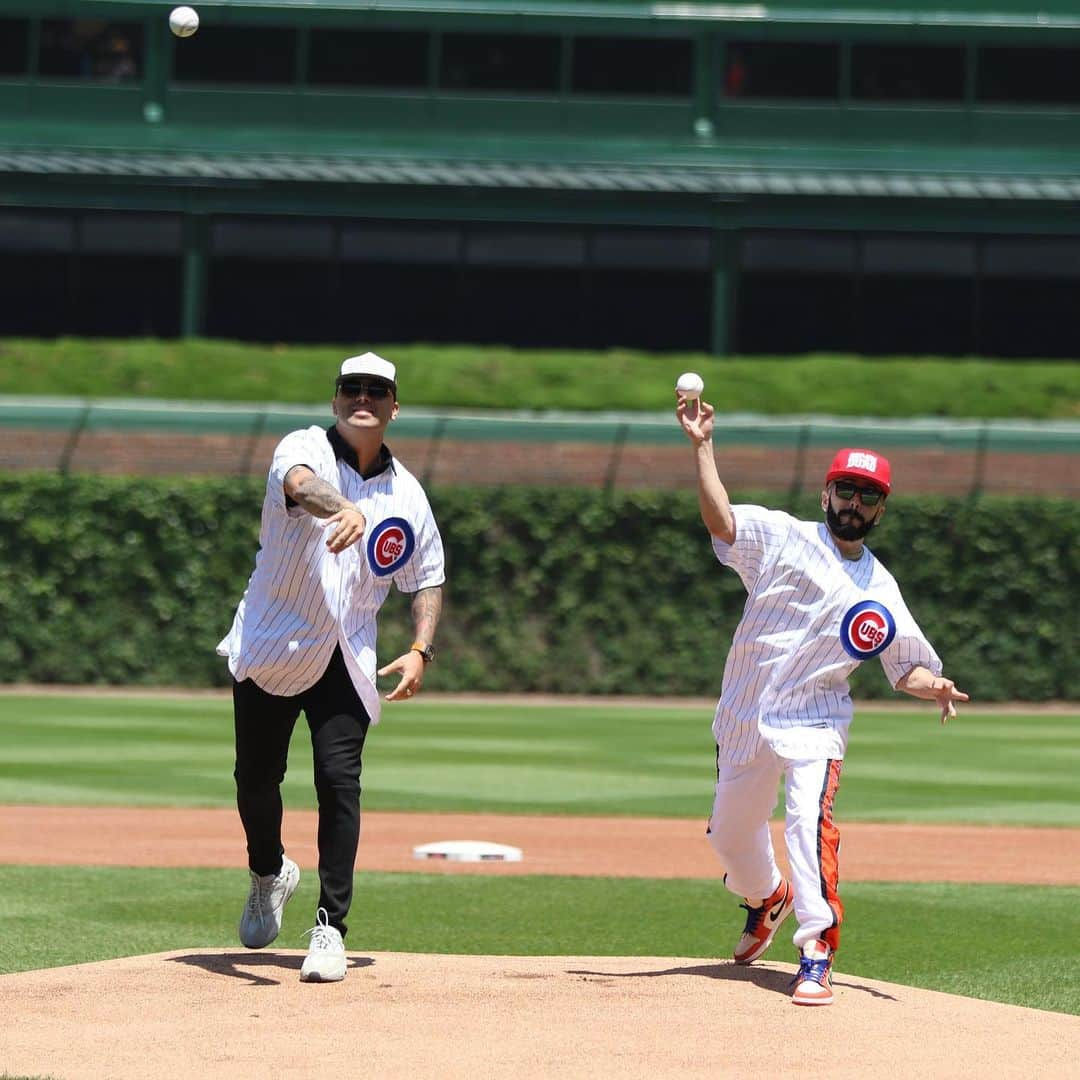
(319, 499)
(426, 609)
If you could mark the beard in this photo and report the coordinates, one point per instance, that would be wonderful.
(847, 524)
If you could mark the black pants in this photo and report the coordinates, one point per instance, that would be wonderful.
(338, 723)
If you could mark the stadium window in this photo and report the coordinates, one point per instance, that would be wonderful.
(526, 62)
(918, 254)
(379, 244)
(907, 73)
(651, 249)
(648, 67)
(1031, 257)
(90, 49)
(762, 69)
(271, 239)
(128, 233)
(396, 59)
(14, 46)
(237, 54)
(1028, 76)
(812, 252)
(32, 232)
(507, 246)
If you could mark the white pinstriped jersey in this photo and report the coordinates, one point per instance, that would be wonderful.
(785, 679)
(302, 600)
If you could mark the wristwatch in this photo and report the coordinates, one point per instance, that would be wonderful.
(426, 651)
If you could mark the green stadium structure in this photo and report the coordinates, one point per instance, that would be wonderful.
(877, 177)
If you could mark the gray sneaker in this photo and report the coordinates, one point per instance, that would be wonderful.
(261, 921)
(325, 961)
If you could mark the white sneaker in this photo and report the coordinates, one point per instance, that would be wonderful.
(261, 921)
(325, 961)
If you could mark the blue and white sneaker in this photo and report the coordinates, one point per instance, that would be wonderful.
(813, 983)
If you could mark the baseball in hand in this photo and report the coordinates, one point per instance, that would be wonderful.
(183, 21)
(690, 384)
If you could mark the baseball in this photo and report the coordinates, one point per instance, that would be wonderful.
(183, 21)
(690, 384)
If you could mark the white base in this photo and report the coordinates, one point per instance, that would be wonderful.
(467, 851)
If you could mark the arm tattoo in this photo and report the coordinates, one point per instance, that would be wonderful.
(319, 499)
(426, 609)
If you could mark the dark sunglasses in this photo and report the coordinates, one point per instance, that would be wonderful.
(374, 390)
(869, 496)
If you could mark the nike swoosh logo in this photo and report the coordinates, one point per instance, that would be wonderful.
(775, 913)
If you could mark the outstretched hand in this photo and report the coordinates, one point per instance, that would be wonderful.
(946, 694)
(695, 416)
(411, 666)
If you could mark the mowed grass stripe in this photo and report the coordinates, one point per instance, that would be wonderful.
(511, 758)
(962, 939)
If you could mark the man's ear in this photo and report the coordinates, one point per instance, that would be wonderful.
(825, 499)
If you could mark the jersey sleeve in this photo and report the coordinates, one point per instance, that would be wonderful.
(909, 647)
(297, 448)
(759, 535)
(426, 568)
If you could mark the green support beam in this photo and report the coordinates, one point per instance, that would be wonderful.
(193, 287)
(725, 282)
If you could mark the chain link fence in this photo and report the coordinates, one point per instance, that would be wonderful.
(603, 450)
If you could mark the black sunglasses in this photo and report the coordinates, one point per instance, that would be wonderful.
(374, 390)
(869, 496)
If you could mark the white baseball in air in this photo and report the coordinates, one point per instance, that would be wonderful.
(183, 21)
(690, 384)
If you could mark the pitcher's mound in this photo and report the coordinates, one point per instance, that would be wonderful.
(215, 1014)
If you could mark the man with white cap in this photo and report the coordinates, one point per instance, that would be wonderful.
(341, 519)
(818, 603)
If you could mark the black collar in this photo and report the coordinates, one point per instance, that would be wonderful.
(344, 452)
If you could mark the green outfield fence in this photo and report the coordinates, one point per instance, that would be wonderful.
(602, 450)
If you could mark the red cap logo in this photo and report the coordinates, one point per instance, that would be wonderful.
(861, 465)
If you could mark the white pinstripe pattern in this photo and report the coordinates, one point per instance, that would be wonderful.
(785, 678)
(301, 600)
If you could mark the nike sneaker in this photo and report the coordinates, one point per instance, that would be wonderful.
(763, 922)
(813, 983)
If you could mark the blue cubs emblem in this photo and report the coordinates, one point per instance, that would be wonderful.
(389, 546)
(867, 629)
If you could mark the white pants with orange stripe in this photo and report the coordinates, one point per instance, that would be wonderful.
(745, 798)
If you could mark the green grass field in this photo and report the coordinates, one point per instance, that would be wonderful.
(599, 759)
(988, 941)
(497, 757)
(497, 377)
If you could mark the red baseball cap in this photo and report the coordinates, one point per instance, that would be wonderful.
(856, 464)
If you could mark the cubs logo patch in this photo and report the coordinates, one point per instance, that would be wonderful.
(866, 629)
(389, 546)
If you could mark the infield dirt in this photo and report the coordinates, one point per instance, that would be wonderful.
(224, 1014)
(591, 846)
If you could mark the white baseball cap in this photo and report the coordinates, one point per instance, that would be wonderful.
(369, 364)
